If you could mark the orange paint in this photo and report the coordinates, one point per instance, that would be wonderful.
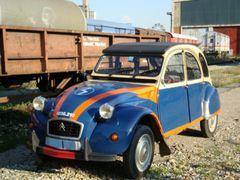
(158, 122)
(148, 93)
(143, 92)
(61, 100)
(182, 128)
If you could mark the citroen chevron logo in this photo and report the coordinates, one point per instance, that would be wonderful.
(84, 91)
(62, 127)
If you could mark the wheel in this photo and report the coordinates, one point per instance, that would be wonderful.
(138, 158)
(209, 127)
(42, 83)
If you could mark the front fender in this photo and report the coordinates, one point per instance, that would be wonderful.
(39, 121)
(123, 123)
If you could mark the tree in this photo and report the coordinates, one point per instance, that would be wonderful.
(159, 27)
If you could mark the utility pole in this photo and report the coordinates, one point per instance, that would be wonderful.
(170, 14)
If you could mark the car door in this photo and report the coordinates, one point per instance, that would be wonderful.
(195, 85)
(173, 97)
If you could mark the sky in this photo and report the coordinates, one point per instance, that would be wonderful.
(140, 13)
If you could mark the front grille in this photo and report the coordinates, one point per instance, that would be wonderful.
(64, 128)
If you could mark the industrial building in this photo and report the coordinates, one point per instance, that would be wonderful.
(197, 17)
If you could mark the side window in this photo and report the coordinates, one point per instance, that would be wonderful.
(204, 65)
(193, 69)
(175, 70)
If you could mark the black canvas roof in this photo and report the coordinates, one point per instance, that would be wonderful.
(153, 48)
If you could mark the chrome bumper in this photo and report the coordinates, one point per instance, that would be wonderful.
(67, 149)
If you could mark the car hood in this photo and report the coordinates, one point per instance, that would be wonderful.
(83, 100)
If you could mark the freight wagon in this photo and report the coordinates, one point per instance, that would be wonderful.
(179, 38)
(210, 41)
(215, 43)
(39, 42)
(38, 45)
(52, 57)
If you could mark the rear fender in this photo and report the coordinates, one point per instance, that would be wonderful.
(211, 103)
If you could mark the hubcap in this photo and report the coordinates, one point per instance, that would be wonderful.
(212, 123)
(143, 152)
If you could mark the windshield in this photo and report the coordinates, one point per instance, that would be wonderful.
(129, 65)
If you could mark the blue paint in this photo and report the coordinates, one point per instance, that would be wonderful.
(196, 95)
(123, 123)
(73, 100)
(173, 108)
(211, 95)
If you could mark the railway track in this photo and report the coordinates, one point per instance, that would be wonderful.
(7, 97)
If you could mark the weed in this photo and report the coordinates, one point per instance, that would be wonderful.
(13, 127)
(159, 171)
(226, 76)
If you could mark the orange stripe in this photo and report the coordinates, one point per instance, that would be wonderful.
(182, 128)
(61, 100)
(158, 122)
(140, 91)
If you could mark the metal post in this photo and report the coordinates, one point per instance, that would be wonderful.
(170, 14)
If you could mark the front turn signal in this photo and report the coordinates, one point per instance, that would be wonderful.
(114, 137)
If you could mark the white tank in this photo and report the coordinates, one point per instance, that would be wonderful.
(57, 14)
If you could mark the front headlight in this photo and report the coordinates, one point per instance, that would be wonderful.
(106, 111)
(39, 103)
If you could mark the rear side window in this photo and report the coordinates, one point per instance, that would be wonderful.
(175, 71)
(193, 69)
(204, 65)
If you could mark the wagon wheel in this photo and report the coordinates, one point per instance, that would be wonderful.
(42, 83)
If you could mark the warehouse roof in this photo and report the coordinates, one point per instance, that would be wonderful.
(139, 48)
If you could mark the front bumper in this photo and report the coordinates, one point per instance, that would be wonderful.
(85, 153)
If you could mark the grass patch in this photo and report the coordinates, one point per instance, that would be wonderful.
(223, 77)
(160, 171)
(213, 60)
(29, 85)
(13, 125)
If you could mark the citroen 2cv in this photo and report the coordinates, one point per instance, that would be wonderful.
(139, 94)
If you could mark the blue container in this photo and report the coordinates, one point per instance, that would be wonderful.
(109, 27)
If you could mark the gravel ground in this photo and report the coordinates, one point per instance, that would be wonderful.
(193, 157)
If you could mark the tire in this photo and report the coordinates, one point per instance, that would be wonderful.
(138, 158)
(209, 127)
(42, 84)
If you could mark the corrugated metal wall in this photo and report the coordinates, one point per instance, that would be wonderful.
(210, 12)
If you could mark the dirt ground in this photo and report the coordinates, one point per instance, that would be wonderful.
(193, 157)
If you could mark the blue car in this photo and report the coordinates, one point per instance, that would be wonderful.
(139, 94)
